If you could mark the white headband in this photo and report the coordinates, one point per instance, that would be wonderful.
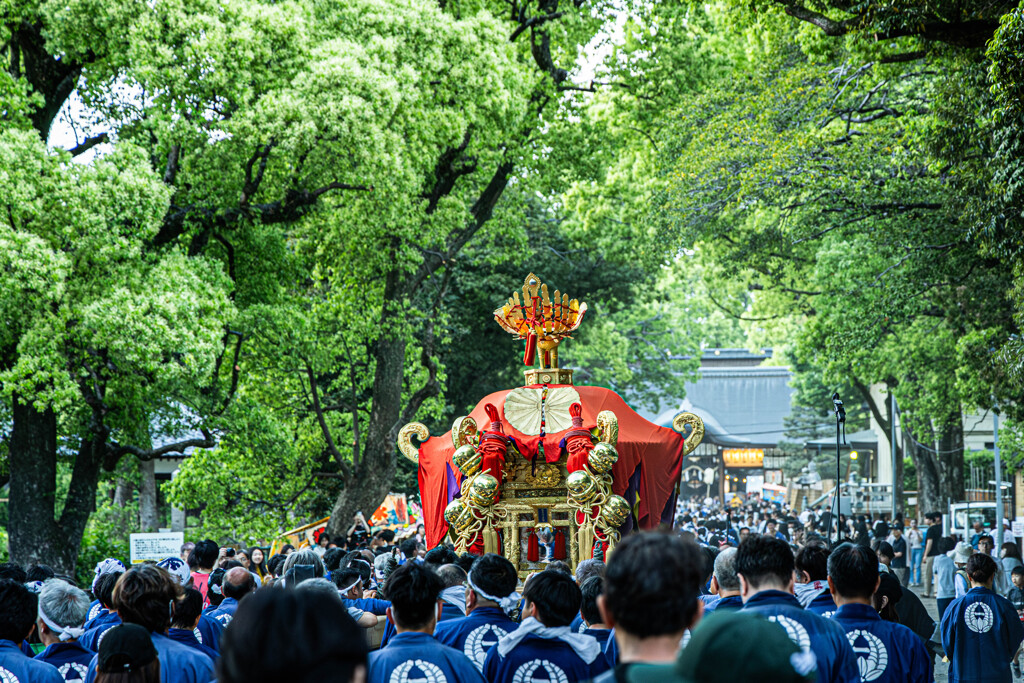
(507, 604)
(357, 582)
(63, 632)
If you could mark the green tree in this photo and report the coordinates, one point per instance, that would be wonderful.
(320, 166)
(832, 187)
(100, 339)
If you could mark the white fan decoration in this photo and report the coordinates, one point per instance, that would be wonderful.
(523, 409)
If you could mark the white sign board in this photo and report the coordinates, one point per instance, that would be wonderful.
(1017, 528)
(155, 547)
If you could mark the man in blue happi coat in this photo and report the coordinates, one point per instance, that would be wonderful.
(185, 623)
(490, 593)
(981, 630)
(111, 565)
(208, 632)
(350, 586)
(62, 612)
(18, 609)
(145, 595)
(237, 584)
(590, 591)
(453, 595)
(650, 599)
(811, 586)
(887, 652)
(544, 648)
(413, 654)
(765, 566)
(107, 617)
(725, 583)
(584, 570)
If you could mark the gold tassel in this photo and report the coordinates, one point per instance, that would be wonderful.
(491, 540)
(586, 540)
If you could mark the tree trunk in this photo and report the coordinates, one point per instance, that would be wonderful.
(940, 471)
(373, 474)
(148, 518)
(122, 492)
(884, 422)
(33, 467)
(35, 535)
(951, 459)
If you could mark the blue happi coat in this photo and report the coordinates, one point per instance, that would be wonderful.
(823, 605)
(95, 610)
(70, 659)
(104, 616)
(601, 635)
(980, 633)
(611, 650)
(474, 635)
(178, 663)
(210, 632)
(836, 660)
(540, 659)
(371, 605)
(578, 625)
(414, 656)
(448, 612)
(14, 663)
(187, 637)
(729, 604)
(886, 652)
(90, 640)
(224, 612)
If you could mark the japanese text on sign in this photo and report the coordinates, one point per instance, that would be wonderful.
(155, 546)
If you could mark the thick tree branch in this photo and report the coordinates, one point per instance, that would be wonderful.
(171, 170)
(432, 387)
(88, 143)
(295, 205)
(252, 184)
(322, 421)
(115, 451)
(830, 27)
(533, 22)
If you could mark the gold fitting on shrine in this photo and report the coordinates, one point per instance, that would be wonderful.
(603, 457)
(548, 376)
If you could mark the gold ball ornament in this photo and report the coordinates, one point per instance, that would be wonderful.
(458, 515)
(615, 511)
(603, 457)
(483, 491)
(466, 460)
(582, 487)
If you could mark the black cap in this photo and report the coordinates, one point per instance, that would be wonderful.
(125, 648)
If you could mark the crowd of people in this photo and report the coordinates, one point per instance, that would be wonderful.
(753, 593)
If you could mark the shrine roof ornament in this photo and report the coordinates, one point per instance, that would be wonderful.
(543, 323)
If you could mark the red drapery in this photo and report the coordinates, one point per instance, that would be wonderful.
(657, 450)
